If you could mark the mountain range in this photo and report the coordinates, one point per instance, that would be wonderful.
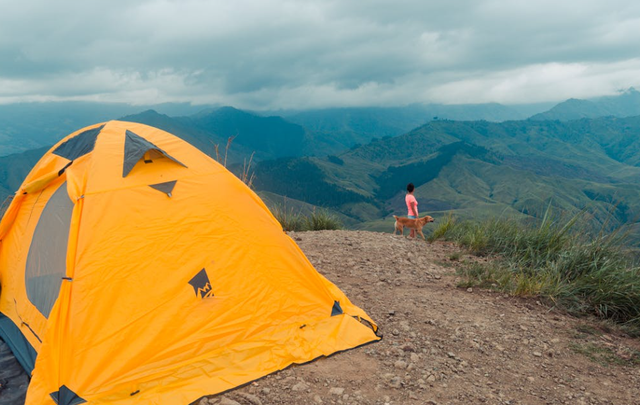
(352, 126)
(26, 126)
(357, 161)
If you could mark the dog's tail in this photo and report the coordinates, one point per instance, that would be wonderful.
(395, 217)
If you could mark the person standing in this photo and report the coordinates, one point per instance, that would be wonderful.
(412, 206)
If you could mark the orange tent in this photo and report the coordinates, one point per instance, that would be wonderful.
(137, 270)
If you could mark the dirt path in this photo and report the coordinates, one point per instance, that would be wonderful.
(443, 344)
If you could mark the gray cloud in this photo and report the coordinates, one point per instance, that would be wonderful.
(299, 54)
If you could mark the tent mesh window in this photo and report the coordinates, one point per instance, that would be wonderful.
(46, 262)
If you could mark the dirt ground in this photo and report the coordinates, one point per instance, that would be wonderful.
(443, 344)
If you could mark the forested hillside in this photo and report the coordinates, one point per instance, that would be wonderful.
(477, 169)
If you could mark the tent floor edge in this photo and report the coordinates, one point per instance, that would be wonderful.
(378, 338)
(24, 353)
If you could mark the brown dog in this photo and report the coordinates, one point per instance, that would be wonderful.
(416, 224)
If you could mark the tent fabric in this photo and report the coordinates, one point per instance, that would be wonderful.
(162, 300)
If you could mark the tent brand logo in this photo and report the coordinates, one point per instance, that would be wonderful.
(201, 285)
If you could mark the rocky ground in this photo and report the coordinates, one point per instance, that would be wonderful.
(443, 344)
(13, 379)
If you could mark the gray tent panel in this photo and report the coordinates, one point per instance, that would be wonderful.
(79, 145)
(64, 396)
(47, 258)
(166, 187)
(135, 147)
(336, 309)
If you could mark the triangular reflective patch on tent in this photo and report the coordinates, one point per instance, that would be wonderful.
(166, 187)
(79, 145)
(64, 396)
(135, 147)
(337, 309)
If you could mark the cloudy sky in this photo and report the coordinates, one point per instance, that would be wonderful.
(270, 54)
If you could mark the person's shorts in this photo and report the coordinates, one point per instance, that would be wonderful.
(411, 217)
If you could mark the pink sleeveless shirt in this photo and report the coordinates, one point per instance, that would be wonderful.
(410, 200)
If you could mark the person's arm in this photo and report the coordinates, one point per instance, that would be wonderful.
(414, 208)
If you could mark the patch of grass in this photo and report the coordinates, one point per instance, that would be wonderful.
(445, 225)
(584, 329)
(317, 220)
(485, 276)
(289, 219)
(444, 264)
(454, 257)
(321, 219)
(605, 356)
(581, 272)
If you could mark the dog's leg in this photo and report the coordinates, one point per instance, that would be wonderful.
(419, 230)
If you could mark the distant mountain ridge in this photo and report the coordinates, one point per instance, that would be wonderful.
(626, 104)
(30, 125)
(26, 126)
(359, 125)
(267, 137)
(14, 168)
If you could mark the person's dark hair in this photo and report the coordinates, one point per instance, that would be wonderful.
(410, 187)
